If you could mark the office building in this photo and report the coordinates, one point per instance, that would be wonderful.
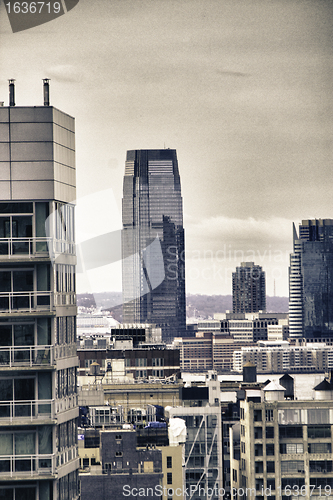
(38, 362)
(248, 288)
(282, 445)
(153, 242)
(281, 356)
(311, 280)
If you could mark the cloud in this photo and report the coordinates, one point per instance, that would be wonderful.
(239, 234)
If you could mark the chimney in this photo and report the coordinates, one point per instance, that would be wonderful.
(46, 92)
(11, 93)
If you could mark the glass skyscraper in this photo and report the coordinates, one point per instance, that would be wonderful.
(38, 361)
(153, 257)
(311, 280)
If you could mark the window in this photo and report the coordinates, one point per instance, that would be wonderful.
(157, 362)
(169, 477)
(256, 415)
(270, 467)
(292, 467)
(290, 431)
(271, 484)
(270, 449)
(319, 416)
(320, 448)
(141, 362)
(257, 432)
(259, 467)
(269, 415)
(169, 462)
(291, 448)
(322, 431)
(119, 453)
(269, 432)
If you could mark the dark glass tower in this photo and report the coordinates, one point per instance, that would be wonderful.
(248, 288)
(311, 280)
(153, 242)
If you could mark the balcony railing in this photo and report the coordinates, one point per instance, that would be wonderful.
(33, 410)
(11, 248)
(34, 355)
(27, 465)
(26, 301)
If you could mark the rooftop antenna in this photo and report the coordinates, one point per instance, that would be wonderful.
(11, 92)
(46, 91)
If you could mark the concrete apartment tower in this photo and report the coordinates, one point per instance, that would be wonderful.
(153, 242)
(311, 280)
(38, 362)
(248, 288)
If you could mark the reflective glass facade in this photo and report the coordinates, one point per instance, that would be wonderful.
(311, 280)
(38, 362)
(153, 241)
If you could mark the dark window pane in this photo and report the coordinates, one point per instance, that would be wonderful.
(16, 208)
(22, 281)
(5, 281)
(24, 389)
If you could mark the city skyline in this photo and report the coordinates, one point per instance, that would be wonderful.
(241, 91)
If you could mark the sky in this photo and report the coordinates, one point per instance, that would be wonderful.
(242, 89)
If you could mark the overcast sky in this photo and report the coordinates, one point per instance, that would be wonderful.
(241, 88)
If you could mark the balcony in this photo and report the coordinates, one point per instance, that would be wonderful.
(27, 248)
(33, 411)
(26, 301)
(27, 356)
(27, 465)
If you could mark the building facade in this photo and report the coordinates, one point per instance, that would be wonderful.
(311, 280)
(248, 288)
(153, 242)
(203, 467)
(285, 445)
(38, 362)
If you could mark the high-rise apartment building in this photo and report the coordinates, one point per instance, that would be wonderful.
(311, 280)
(248, 288)
(38, 362)
(153, 242)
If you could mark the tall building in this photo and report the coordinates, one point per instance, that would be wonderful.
(38, 362)
(248, 288)
(153, 242)
(311, 280)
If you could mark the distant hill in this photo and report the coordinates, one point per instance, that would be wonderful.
(197, 306)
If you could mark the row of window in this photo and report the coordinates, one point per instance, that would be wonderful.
(290, 416)
(290, 448)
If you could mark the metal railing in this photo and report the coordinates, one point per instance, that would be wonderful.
(27, 465)
(26, 301)
(16, 247)
(32, 355)
(38, 409)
